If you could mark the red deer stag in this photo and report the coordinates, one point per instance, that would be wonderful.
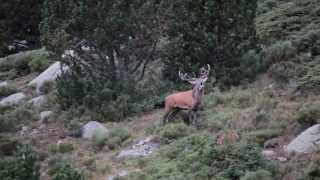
(187, 100)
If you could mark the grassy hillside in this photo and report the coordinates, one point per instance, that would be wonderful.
(236, 124)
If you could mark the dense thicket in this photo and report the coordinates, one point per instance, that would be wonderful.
(19, 20)
(125, 36)
(212, 32)
(122, 37)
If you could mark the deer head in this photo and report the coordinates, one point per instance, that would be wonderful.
(198, 83)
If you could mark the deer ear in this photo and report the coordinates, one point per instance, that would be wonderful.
(193, 82)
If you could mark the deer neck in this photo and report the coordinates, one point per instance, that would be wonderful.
(196, 96)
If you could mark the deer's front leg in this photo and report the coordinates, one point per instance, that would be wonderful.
(193, 118)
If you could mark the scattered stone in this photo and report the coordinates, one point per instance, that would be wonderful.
(13, 99)
(44, 116)
(24, 130)
(4, 83)
(142, 148)
(307, 142)
(48, 75)
(118, 175)
(93, 128)
(272, 143)
(268, 154)
(282, 159)
(37, 102)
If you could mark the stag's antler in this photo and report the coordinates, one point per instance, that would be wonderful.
(204, 73)
(186, 77)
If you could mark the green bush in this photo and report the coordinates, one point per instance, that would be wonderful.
(311, 172)
(7, 90)
(47, 87)
(23, 165)
(260, 174)
(173, 131)
(8, 145)
(309, 114)
(197, 157)
(40, 61)
(11, 119)
(286, 71)
(311, 79)
(262, 135)
(116, 137)
(64, 171)
(65, 147)
(278, 52)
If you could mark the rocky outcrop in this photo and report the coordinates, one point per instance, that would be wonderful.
(307, 142)
(143, 147)
(44, 116)
(118, 175)
(48, 75)
(13, 99)
(4, 83)
(92, 129)
(37, 102)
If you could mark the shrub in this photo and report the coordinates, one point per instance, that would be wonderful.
(65, 147)
(262, 135)
(7, 90)
(99, 138)
(64, 171)
(47, 87)
(23, 165)
(40, 61)
(197, 157)
(285, 71)
(116, 137)
(173, 131)
(309, 114)
(8, 146)
(311, 172)
(280, 51)
(311, 79)
(9, 120)
(260, 174)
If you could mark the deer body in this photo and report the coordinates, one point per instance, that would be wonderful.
(187, 100)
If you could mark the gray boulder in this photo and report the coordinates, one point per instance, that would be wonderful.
(144, 147)
(48, 75)
(118, 175)
(92, 129)
(13, 99)
(37, 102)
(4, 83)
(307, 142)
(44, 116)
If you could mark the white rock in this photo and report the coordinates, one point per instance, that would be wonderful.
(37, 101)
(307, 142)
(142, 148)
(92, 129)
(13, 99)
(120, 174)
(48, 75)
(44, 115)
(269, 154)
(4, 83)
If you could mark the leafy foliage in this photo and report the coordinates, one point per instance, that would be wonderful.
(7, 90)
(104, 77)
(12, 118)
(209, 32)
(197, 157)
(64, 171)
(23, 165)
